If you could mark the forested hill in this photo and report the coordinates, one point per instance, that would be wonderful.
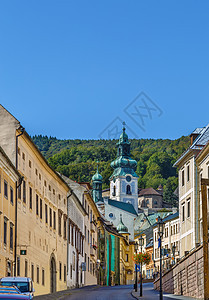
(77, 159)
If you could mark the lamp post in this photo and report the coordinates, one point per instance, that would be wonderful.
(161, 225)
(136, 248)
(141, 243)
(174, 250)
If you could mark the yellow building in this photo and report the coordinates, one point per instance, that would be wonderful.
(127, 264)
(9, 179)
(41, 210)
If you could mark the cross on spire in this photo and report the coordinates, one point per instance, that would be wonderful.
(124, 124)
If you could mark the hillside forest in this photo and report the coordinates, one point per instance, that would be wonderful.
(77, 159)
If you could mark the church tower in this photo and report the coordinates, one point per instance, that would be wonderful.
(97, 187)
(124, 180)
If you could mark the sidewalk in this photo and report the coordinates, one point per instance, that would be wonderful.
(149, 293)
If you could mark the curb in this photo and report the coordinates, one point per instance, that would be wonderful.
(134, 295)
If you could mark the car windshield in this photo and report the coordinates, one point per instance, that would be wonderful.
(22, 286)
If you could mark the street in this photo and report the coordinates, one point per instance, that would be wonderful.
(120, 293)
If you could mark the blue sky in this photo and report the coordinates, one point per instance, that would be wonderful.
(70, 68)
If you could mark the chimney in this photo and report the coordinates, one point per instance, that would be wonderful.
(193, 137)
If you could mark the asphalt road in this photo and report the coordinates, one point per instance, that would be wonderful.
(122, 292)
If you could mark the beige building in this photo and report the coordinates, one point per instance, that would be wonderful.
(150, 198)
(9, 180)
(171, 237)
(189, 205)
(41, 210)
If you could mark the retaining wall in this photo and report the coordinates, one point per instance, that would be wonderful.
(186, 277)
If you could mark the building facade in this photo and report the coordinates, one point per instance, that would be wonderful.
(41, 211)
(9, 180)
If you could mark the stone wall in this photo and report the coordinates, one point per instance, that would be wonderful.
(186, 277)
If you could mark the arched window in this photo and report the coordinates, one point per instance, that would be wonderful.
(128, 189)
(114, 191)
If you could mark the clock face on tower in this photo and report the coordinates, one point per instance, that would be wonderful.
(128, 178)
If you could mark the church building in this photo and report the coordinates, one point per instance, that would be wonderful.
(123, 200)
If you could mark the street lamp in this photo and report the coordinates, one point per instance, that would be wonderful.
(174, 250)
(141, 244)
(161, 225)
(136, 248)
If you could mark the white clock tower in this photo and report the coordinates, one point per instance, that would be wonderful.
(124, 180)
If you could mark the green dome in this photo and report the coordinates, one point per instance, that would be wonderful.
(97, 176)
(123, 138)
(121, 227)
(123, 162)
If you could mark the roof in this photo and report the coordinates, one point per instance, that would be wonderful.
(123, 205)
(149, 191)
(198, 143)
(171, 217)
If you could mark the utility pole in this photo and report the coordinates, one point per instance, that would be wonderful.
(204, 184)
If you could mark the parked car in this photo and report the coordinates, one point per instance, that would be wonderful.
(24, 284)
(12, 292)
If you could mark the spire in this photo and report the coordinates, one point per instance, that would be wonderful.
(124, 164)
(121, 227)
(97, 185)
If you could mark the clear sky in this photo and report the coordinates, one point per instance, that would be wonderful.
(77, 69)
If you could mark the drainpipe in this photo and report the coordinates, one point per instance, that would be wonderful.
(17, 185)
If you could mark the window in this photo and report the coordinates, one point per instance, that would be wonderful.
(36, 204)
(182, 178)
(88, 236)
(188, 173)
(39, 176)
(43, 277)
(49, 187)
(31, 197)
(188, 208)
(85, 232)
(171, 230)
(18, 266)
(128, 189)
(23, 156)
(0, 183)
(208, 172)
(11, 236)
(26, 268)
(19, 191)
(53, 191)
(65, 226)
(72, 241)
(50, 217)
(60, 271)
(36, 172)
(114, 191)
(126, 257)
(11, 196)
(54, 220)
(32, 272)
(5, 189)
(59, 224)
(29, 164)
(183, 212)
(45, 183)
(46, 214)
(71, 271)
(37, 274)
(24, 191)
(65, 272)
(5, 231)
(41, 209)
